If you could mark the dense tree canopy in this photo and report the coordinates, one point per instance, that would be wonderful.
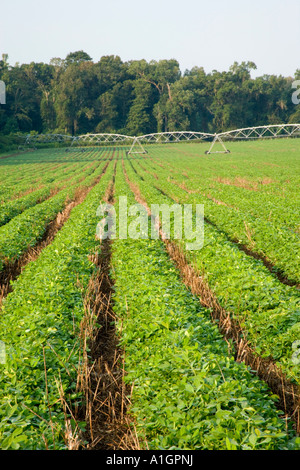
(76, 95)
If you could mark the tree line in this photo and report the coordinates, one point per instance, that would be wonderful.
(76, 95)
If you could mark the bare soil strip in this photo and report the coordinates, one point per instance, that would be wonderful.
(107, 397)
(266, 369)
(12, 270)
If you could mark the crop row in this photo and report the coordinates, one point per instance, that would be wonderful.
(268, 167)
(22, 172)
(20, 179)
(26, 229)
(40, 327)
(14, 207)
(33, 174)
(271, 195)
(267, 310)
(188, 392)
(278, 244)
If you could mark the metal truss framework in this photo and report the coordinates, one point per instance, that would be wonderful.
(136, 142)
(136, 147)
(259, 132)
(102, 139)
(176, 136)
(217, 138)
(263, 132)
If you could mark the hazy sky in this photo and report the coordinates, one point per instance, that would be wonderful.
(212, 34)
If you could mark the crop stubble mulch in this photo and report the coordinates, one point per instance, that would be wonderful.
(108, 425)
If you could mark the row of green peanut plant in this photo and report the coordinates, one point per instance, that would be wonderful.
(267, 310)
(278, 244)
(188, 391)
(263, 182)
(43, 170)
(18, 176)
(14, 207)
(26, 229)
(277, 205)
(40, 329)
(264, 166)
(32, 171)
(17, 181)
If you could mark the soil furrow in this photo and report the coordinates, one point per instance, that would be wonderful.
(107, 397)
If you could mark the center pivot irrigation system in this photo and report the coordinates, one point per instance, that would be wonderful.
(137, 143)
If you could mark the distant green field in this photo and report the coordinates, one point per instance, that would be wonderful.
(189, 391)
